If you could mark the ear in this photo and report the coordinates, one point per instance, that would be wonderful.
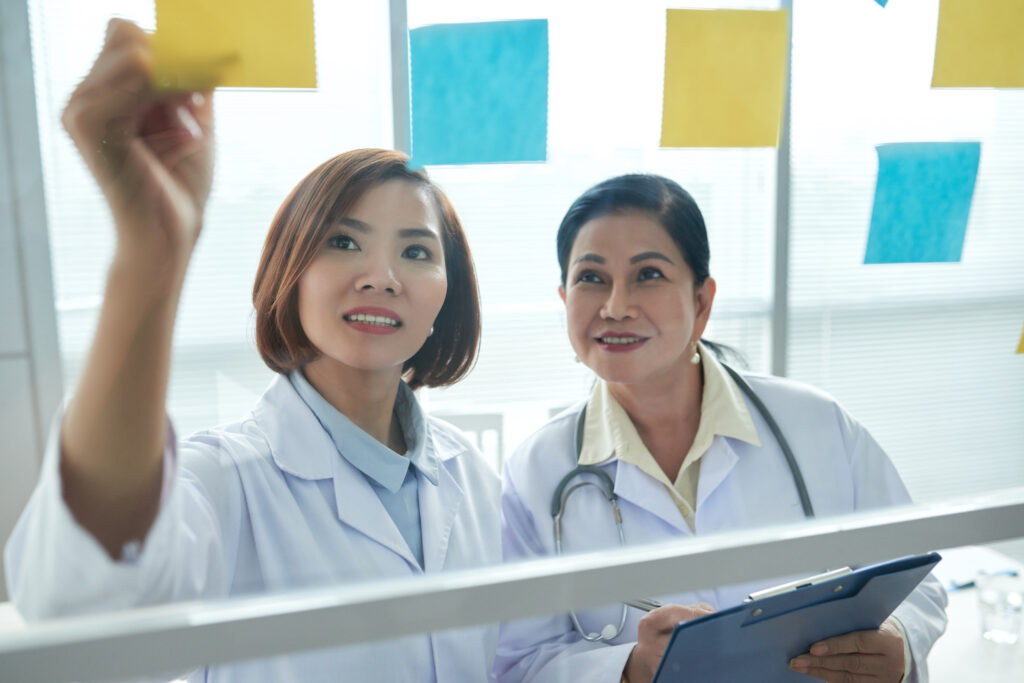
(561, 293)
(705, 296)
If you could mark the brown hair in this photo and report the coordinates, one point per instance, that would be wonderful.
(296, 236)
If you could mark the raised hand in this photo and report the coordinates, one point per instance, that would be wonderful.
(150, 152)
(152, 155)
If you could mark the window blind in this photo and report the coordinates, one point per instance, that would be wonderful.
(922, 354)
(266, 142)
(606, 66)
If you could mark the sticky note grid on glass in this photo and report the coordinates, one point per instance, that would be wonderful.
(479, 92)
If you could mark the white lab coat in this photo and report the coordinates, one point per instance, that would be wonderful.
(267, 504)
(740, 486)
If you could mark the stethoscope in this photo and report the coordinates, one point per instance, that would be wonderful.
(605, 484)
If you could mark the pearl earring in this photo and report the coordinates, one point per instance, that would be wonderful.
(429, 334)
(695, 358)
(577, 359)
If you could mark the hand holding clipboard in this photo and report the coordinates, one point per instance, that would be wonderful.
(756, 640)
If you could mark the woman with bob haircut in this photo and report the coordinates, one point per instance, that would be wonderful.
(365, 291)
(671, 434)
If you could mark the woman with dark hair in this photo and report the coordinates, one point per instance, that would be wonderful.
(364, 292)
(670, 431)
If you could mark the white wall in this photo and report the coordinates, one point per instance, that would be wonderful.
(30, 372)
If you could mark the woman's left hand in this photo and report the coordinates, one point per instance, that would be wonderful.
(855, 657)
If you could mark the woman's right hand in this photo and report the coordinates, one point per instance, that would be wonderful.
(152, 155)
(151, 152)
(653, 633)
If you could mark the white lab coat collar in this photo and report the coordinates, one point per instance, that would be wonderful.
(360, 507)
(298, 443)
(374, 459)
(440, 504)
(608, 431)
(634, 485)
(302, 447)
(715, 466)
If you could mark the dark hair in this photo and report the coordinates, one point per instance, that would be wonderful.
(296, 235)
(659, 197)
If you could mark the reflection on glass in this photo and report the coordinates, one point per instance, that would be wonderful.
(364, 292)
(673, 443)
(934, 394)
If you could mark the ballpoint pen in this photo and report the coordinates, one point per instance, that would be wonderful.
(644, 604)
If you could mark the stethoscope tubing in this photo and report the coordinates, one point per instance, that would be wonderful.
(787, 452)
(607, 488)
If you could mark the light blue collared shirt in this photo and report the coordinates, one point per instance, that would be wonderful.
(388, 472)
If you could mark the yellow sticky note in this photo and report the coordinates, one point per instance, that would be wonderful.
(725, 78)
(1020, 347)
(980, 43)
(236, 43)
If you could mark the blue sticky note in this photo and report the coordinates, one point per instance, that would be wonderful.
(479, 92)
(922, 200)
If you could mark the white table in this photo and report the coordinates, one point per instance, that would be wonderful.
(961, 655)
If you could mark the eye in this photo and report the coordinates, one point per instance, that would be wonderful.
(343, 242)
(589, 276)
(417, 252)
(649, 273)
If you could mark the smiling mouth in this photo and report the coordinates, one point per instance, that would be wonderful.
(620, 340)
(379, 320)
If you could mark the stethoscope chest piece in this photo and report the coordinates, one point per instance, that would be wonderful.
(606, 486)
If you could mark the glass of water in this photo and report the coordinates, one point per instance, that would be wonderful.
(1000, 601)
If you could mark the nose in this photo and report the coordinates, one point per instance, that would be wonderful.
(380, 276)
(617, 306)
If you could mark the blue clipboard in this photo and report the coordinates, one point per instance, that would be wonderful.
(755, 640)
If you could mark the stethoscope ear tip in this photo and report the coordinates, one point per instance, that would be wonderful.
(609, 632)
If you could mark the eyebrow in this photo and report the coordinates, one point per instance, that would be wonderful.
(418, 232)
(355, 225)
(594, 258)
(406, 233)
(650, 255)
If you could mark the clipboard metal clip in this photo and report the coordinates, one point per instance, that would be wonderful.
(798, 584)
